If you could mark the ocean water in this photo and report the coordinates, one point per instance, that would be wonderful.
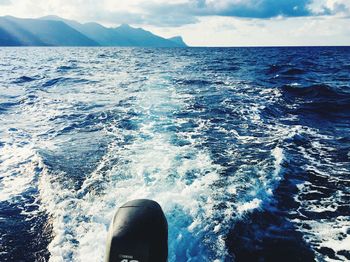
(246, 149)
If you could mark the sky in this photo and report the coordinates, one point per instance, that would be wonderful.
(208, 22)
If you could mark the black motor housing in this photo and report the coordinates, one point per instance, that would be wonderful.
(138, 233)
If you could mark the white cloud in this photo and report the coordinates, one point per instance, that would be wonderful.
(5, 2)
(156, 11)
(227, 31)
(194, 19)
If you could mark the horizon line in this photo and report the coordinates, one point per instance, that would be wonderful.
(153, 47)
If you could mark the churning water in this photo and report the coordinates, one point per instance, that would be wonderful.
(246, 149)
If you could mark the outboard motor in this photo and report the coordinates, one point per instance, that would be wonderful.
(138, 233)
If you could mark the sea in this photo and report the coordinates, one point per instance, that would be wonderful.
(247, 150)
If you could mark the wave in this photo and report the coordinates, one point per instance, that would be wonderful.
(63, 81)
(65, 68)
(245, 163)
(24, 79)
(285, 69)
(317, 91)
(7, 105)
(293, 71)
(323, 100)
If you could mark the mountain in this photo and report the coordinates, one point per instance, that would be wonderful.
(178, 40)
(56, 31)
(124, 35)
(34, 32)
(6, 39)
(140, 37)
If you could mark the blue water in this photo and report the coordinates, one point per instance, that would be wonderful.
(246, 149)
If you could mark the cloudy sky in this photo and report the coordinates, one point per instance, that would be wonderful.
(209, 22)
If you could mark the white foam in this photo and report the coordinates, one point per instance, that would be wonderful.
(18, 169)
(255, 203)
(147, 175)
(184, 180)
(201, 204)
(277, 152)
(329, 232)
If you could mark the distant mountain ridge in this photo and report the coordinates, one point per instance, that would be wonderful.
(56, 31)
